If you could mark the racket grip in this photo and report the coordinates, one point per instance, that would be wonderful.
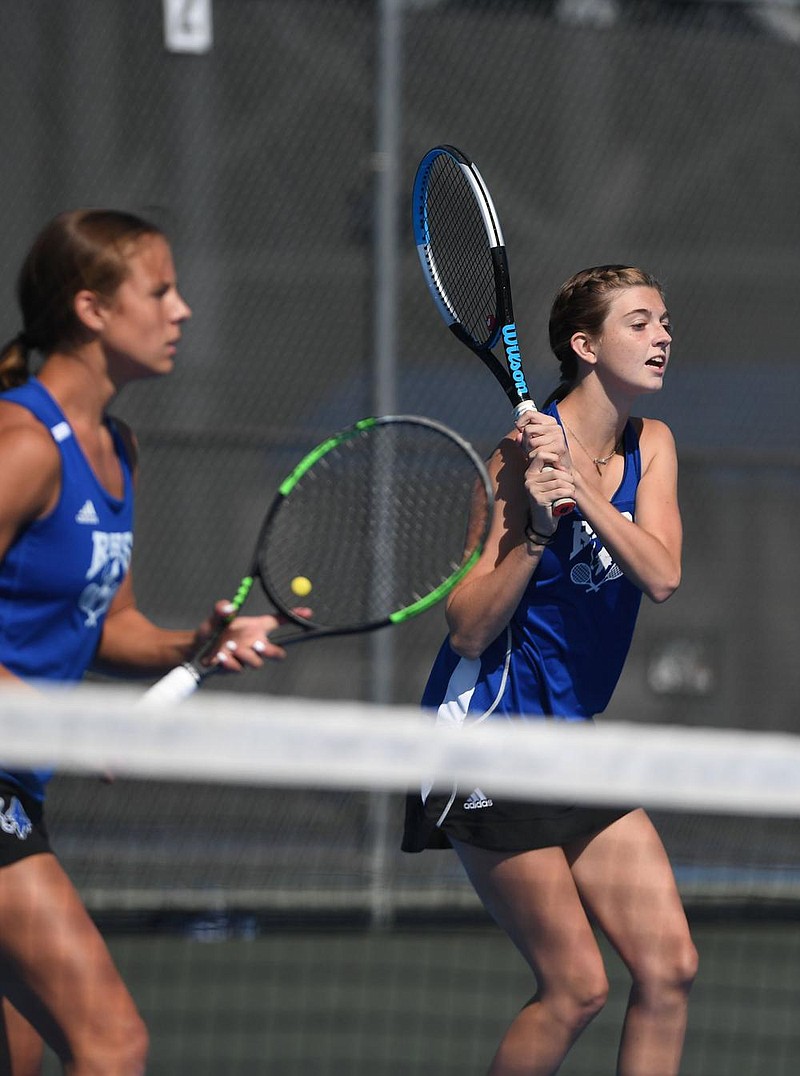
(521, 408)
(178, 684)
(563, 506)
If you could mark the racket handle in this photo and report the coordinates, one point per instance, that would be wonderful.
(182, 681)
(521, 408)
(564, 505)
(178, 684)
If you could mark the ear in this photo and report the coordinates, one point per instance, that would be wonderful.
(583, 346)
(89, 310)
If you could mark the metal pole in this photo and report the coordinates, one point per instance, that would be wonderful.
(386, 166)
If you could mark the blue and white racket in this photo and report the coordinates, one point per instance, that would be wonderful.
(463, 256)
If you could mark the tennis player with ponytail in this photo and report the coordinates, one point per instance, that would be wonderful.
(541, 628)
(101, 306)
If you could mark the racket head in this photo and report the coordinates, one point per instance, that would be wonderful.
(374, 526)
(463, 257)
(460, 245)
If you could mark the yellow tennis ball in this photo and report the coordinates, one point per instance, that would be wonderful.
(301, 586)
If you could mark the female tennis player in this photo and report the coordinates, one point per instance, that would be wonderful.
(542, 626)
(100, 304)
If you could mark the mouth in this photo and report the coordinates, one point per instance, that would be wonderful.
(657, 362)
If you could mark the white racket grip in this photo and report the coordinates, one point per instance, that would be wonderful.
(521, 408)
(178, 684)
(564, 505)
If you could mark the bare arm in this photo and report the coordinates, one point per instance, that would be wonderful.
(30, 477)
(132, 645)
(649, 550)
(529, 474)
(482, 605)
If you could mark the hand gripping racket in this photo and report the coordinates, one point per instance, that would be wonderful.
(374, 526)
(463, 256)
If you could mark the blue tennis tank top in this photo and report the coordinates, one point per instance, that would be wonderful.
(62, 571)
(563, 651)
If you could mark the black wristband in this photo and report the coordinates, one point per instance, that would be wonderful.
(535, 538)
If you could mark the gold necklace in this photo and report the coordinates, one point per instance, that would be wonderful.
(598, 461)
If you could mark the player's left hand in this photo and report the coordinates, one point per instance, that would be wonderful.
(548, 476)
(245, 642)
(541, 435)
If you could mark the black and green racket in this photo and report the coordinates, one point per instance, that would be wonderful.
(374, 526)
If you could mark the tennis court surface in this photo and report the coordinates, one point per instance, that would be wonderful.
(272, 925)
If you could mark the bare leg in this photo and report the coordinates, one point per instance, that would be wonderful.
(59, 974)
(21, 1047)
(625, 880)
(533, 897)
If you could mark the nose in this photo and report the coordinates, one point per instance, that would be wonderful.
(182, 311)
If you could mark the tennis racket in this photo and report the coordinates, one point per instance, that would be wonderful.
(372, 527)
(463, 256)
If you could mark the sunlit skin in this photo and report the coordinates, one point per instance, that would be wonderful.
(140, 325)
(626, 360)
(621, 876)
(57, 979)
(631, 354)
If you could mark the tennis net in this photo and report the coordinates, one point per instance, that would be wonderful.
(244, 865)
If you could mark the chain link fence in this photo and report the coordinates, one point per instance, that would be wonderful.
(280, 158)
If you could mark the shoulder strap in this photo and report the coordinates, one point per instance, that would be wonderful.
(35, 398)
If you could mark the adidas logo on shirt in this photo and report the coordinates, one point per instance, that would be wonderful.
(87, 514)
(476, 800)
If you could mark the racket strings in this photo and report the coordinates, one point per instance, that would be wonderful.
(459, 251)
(379, 523)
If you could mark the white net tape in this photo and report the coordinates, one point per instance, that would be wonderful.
(280, 741)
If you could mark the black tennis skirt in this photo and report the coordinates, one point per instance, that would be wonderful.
(23, 831)
(499, 825)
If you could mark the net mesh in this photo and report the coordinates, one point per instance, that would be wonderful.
(244, 868)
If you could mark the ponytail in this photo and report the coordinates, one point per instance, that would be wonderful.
(562, 389)
(14, 364)
(83, 248)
